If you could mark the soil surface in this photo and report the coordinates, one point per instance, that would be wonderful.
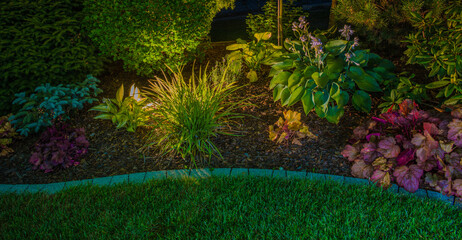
(115, 152)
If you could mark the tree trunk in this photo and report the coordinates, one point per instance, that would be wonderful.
(331, 14)
(280, 23)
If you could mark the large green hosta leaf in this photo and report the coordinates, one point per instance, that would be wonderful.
(336, 46)
(362, 101)
(321, 79)
(334, 114)
(284, 65)
(307, 101)
(277, 92)
(280, 78)
(296, 95)
(361, 57)
(364, 81)
(295, 78)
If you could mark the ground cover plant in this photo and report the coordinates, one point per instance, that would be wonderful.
(59, 146)
(226, 208)
(408, 146)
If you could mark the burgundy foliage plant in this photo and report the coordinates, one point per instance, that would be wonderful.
(408, 146)
(59, 145)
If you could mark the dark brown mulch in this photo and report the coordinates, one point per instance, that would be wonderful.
(114, 152)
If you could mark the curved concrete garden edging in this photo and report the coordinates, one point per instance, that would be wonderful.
(202, 173)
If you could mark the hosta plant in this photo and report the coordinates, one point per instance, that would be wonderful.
(59, 146)
(254, 53)
(7, 133)
(406, 146)
(323, 73)
(50, 103)
(128, 112)
(289, 129)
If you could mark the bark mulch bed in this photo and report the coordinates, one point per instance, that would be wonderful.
(115, 152)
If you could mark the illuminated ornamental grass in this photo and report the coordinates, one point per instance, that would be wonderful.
(187, 114)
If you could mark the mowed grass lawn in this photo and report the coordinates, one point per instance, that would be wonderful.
(226, 208)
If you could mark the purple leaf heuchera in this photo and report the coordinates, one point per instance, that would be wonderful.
(401, 145)
(59, 145)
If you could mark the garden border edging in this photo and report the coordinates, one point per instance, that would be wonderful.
(202, 173)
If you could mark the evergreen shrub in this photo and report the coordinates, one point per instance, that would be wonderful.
(42, 41)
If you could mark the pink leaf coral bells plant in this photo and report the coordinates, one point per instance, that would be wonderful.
(59, 145)
(404, 145)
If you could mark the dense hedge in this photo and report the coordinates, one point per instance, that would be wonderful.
(42, 41)
(148, 35)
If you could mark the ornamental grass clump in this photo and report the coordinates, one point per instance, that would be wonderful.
(187, 114)
(402, 145)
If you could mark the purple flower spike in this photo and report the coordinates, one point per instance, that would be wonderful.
(302, 19)
(294, 26)
(303, 38)
(346, 32)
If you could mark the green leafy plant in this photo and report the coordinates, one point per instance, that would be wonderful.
(59, 146)
(50, 103)
(290, 129)
(323, 76)
(129, 112)
(437, 45)
(148, 35)
(7, 133)
(406, 89)
(42, 41)
(381, 23)
(186, 115)
(268, 20)
(254, 53)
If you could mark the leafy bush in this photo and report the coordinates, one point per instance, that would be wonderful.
(7, 133)
(323, 73)
(42, 41)
(268, 20)
(382, 23)
(436, 45)
(129, 112)
(50, 103)
(290, 129)
(404, 89)
(147, 35)
(403, 145)
(59, 146)
(254, 53)
(185, 116)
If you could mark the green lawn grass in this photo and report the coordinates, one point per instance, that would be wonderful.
(226, 208)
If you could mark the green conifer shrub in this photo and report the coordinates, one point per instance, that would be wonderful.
(42, 41)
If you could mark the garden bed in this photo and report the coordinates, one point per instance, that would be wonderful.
(115, 151)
